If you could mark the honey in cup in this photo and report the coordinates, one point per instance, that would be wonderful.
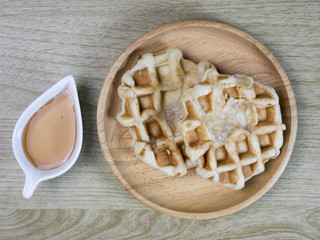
(50, 135)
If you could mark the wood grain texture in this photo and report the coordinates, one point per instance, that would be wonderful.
(232, 51)
(42, 42)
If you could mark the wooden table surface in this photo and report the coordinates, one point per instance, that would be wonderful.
(42, 42)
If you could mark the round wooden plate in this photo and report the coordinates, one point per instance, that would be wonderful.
(231, 51)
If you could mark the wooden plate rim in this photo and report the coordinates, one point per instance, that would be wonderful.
(102, 104)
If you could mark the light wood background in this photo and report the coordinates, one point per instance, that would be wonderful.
(40, 42)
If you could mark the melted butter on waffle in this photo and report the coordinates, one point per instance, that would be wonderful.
(236, 112)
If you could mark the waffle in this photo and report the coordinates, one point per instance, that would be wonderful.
(232, 126)
(150, 94)
(183, 115)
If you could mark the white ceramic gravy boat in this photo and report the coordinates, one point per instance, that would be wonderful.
(33, 175)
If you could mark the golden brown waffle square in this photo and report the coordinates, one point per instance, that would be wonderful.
(151, 106)
(246, 148)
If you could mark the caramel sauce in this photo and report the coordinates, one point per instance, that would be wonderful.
(50, 135)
